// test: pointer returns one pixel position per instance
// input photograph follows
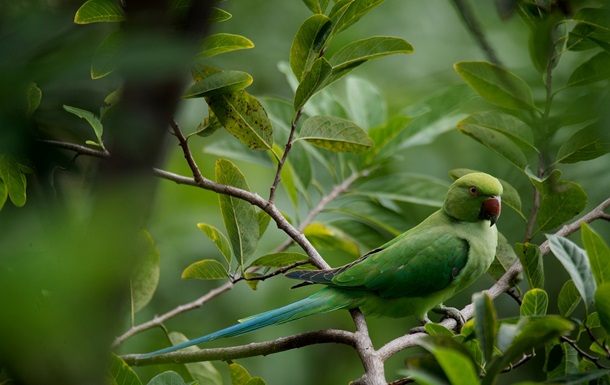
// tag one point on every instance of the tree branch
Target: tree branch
(249, 350)
(475, 29)
(186, 151)
(158, 320)
(79, 149)
(280, 165)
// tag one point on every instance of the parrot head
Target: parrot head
(474, 197)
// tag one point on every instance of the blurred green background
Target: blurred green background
(48, 45)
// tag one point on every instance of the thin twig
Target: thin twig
(280, 165)
(523, 360)
(250, 350)
(278, 271)
(475, 29)
(158, 320)
(79, 149)
(186, 151)
(582, 353)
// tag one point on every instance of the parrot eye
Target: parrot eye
(473, 191)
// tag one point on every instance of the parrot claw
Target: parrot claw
(451, 312)
(421, 329)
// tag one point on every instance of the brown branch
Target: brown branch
(280, 165)
(250, 350)
(158, 320)
(582, 353)
(278, 271)
(186, 151)
(79, 149)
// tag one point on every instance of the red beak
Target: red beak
(490, 209)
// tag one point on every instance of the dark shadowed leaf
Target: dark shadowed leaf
(485, 323)
(531, 260)
(104, 58)
(34, 95)
(602, 303)
(145, 276)
(593, 70)
(219, 83)
(588, 143)
(597, 252)
(505, 258)
(596, 17)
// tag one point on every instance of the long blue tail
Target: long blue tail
(323, 301)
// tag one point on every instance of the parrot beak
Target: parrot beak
(490, 209)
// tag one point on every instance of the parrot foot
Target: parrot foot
(421, 329)
(451, 312)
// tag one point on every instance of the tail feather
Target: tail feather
(321, 302)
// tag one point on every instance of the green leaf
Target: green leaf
(560, 200)
(562, 361)
(14, 182)
(458, 368)
(244, 117)
(513, 128)
(413, 188)
(223, 42)
(597, 252)
(596, 17)
(219, 83)
(95, 11)
(485, 323)
(263, 222)
(582, 377)
(167, 378)
(575, 261)
(145, 276)
(307, 43)
(505, 258)
(494, 140)
(202, 371)
(358, 52)
(535, 303)
(593, 70)
(366, 105)
(239, 216)
(93, 121)
(104, 57)
(331, 238)
(602, 303)
(311, 82)
(218, 238)
(346, 12)
(496, 85)
(239, 374)
(119, 373)
(219, 15)
(531, 259)
(588, 143)
(3, 193)
(34, 95)
(568, 298)
(279, 259)
(437, 329)
(335, 134)
(205, 269)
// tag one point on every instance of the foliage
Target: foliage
(333, 151)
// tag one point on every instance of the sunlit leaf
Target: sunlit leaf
(90, 117)
(218, 238)
(307, 43)
(14, 181)
(535, 303)
(219, 15)
(335, 134)
(219, 83)
(568, 298)
(331, 238)
(576, 263)
(531, 259)
(239, 216)
(119, 373)
(598, 253)
(240, 376)
(437, 329)
(205, 269)
(223, 42)
(497, 85)
(95, 11)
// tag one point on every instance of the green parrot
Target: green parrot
(408, 276)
